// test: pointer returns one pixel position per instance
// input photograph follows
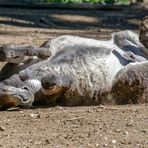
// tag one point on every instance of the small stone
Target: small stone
(135, 110)
(126, 133)
(97, 120)
(101, 106)
(113, 141)
(90, 111)
(118, 130)
(34, 115)
(21, 112)
(105, 138)
(138, 143)
(123, 142)
(97, 144)
(129, 124)
(30, 140)
(58, 107)
(37, 142)
(105, 145)
(2, 128)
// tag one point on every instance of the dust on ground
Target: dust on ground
(93, 126)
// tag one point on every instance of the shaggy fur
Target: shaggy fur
(91, 63)
(131, 84)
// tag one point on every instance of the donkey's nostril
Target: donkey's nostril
(24, 99)
(26, 88)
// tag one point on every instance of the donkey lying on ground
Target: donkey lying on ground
(81, 71)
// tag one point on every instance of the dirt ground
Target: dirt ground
(78, 127)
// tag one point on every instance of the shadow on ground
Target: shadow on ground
(71, 19)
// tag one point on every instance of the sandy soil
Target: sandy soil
(93, 126)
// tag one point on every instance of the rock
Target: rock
(35, 115)
(113, 141)
(2, 128)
